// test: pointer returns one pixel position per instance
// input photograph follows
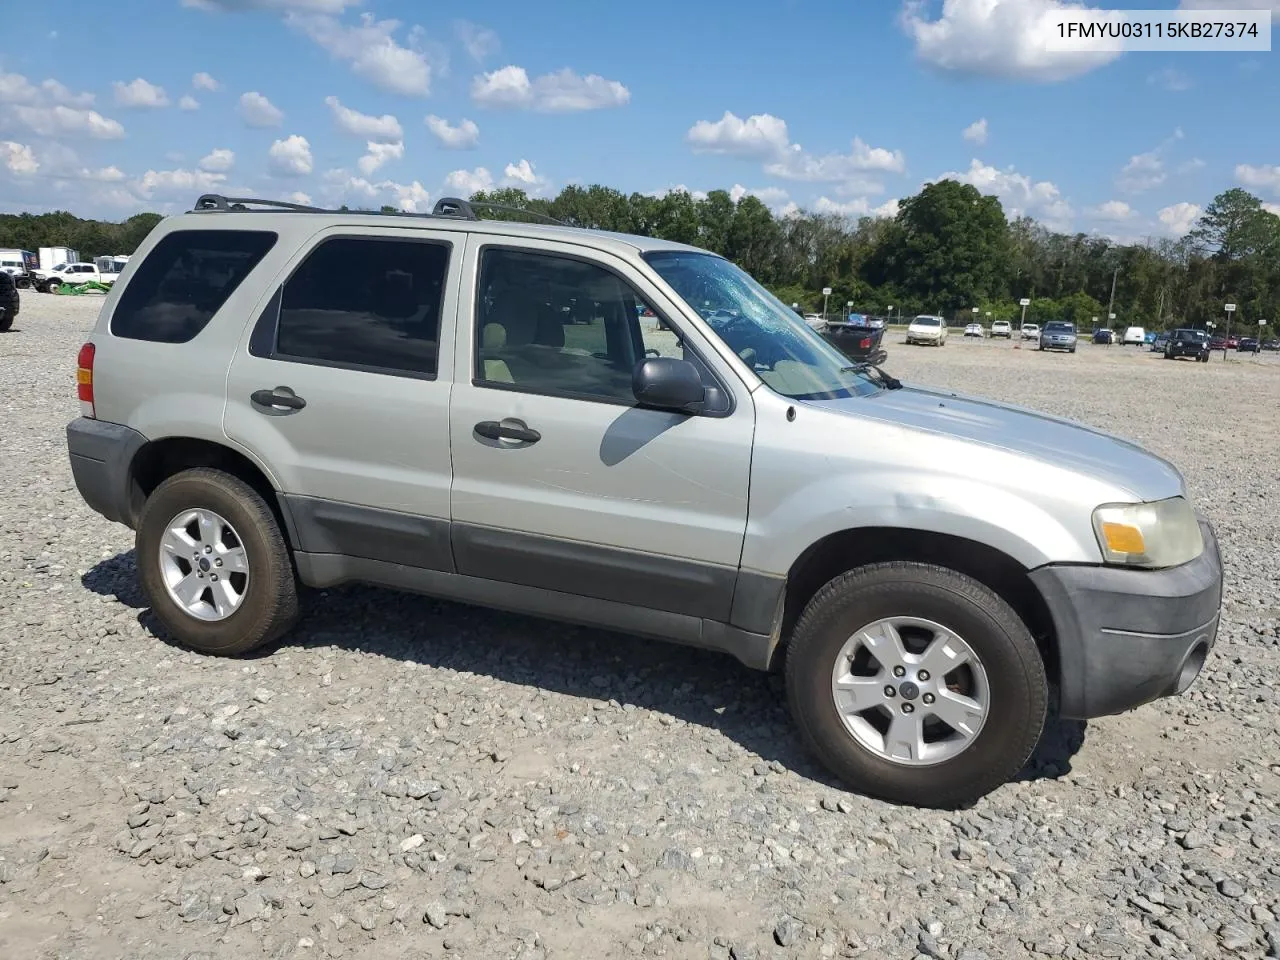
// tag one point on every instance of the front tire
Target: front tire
(214, 564)
(942, 738)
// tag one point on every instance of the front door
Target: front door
(560, 480)
(340, 388)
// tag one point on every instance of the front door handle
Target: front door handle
(510, 429)
(278, 400)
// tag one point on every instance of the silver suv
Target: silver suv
(634, 434)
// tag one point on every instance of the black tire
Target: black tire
(52, 286)
(270, 603)
(1014, 668)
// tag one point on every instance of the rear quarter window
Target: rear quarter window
(185, 280)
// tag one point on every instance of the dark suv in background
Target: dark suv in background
(1187, 343)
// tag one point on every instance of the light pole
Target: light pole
(848, 309)
(1230, 308)
(890, 322)
(975, 317)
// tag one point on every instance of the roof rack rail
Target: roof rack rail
(215, 201)
(509, 209)
(455, 208)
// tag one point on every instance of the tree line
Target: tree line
(948, 249)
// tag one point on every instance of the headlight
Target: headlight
(1165, 533)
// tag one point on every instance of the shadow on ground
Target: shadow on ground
(697, 686)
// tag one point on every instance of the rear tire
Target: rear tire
(267, 603)
(1012, 682)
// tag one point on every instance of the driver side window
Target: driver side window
(557, 325)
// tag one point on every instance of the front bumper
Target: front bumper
(1127, 637)
(1058, 343)
(101, 456)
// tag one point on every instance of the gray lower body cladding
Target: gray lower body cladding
(1127, 637)
(101, 454)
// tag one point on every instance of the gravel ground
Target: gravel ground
(410, 778)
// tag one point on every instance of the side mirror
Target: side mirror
(668, 383)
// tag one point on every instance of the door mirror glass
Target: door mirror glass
(668, 383)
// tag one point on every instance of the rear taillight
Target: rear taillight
(866, 343)
(84, 379)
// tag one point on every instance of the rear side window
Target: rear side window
(366, 304)
(183, 282)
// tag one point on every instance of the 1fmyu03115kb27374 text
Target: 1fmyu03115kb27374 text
(1099, 31)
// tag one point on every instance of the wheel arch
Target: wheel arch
(845, 550)
(157, 460)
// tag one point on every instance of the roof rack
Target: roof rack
(214, 201)
(449, 207)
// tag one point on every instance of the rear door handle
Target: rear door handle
(507, 430)
(278, 400)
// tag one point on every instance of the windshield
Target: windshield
(1059, 326)
(779, 346)
(926, 322)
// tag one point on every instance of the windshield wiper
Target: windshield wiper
(886, 380)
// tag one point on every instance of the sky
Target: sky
(841, 107)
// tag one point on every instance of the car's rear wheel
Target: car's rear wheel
(214, 564)
(916, 684)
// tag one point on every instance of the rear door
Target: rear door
(340, 389)
(601, 498)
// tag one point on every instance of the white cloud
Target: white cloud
(1191, 166)
(383, 129)
(1173, 80)
(479, 42)
(1113, 211)
(1265, 177)
(1001, 38)
(139, 93)
(467, 182)
(1019, 194)
(372, 51)
(761, 135)
(202, 81)
(257, 111)
(188, 102)
(858, 207)
(15, 88)
(18, 158)
(60, 121)
(379, 154)
(111, 174)
(561, 92)
(307, 6)
(1272, 5)
(461, 137)
(290, 157)
(1272, 208)
(299, 197)
(796, 164)
(411, 198)
(976, 132)
(521, 173)
(177, 182)
(1179, 218)
(764, 137)
(1142, 172)
(218, 161)
(769, 196)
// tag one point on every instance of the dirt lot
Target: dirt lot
(410, 778)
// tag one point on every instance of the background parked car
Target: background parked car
(1104, 336)
(1135, 336)
(1002, 328)
(1233, 342)
(1030, 331)
(1187, 343)
(1158, 341)
(1247, 345)
(927, 328)
(974, 330)
(1058, 335)
(1271, 344)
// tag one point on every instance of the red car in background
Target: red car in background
(1233, 342)
(1218, 343)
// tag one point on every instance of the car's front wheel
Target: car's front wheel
(916, 684)
(214, 563)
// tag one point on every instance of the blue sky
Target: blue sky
(844, 107)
